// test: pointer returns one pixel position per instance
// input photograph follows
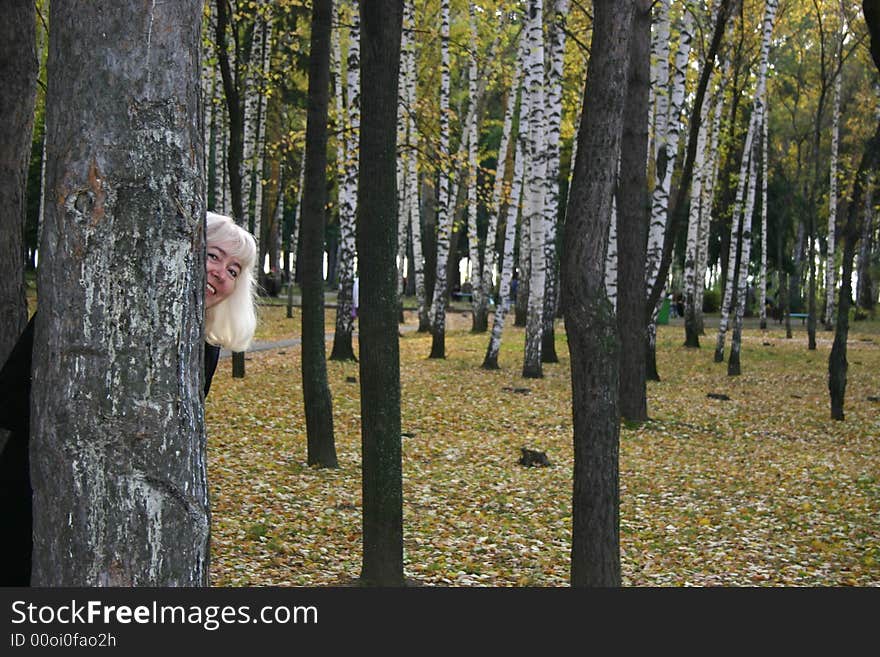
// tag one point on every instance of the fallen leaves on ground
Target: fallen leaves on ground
(760, 489)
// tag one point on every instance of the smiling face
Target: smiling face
(222, 272)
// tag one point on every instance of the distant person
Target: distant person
(355, 297)
(514, 284)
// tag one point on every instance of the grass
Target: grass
(763, 489)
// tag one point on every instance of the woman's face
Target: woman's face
(222, 272)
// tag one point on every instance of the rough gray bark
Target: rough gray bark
(18, 79)
(377, 245)
(589, 318)
(633, 206)
(316, 390)
(118, 434)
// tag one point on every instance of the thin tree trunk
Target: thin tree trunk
(490, 362)
(831, 261)
(756, 129)
(444, 211)
(534, 203)
(342, 338)
(316, 391)
(556, 37)
(589, 319)
(765, 171)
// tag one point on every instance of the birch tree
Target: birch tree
(534, 209)
(444, 212)
(502, 199)
(743, 214)
(342, 338)
(667, 136)
(831, 259)
(765, 171)
(408, 61)
(478, 304)
(692, 248)
(556, 55)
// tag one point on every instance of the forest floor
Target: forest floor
(759, 489)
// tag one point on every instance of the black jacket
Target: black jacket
(16, 515)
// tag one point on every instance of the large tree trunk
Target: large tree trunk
(377, 244)
(18, 79)
(589, 318)
(632, 218)
(118, 434)
(316, 391)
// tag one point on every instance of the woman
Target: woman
(230, 288)
(230, 321)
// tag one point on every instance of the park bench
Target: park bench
(802, 316)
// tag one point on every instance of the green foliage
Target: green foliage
(712, 300)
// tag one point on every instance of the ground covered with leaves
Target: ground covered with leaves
(762, 488)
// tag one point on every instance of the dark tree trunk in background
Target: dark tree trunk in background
(633, 215)
(235, 151)
(381, 23)
(118, 434)
(837, 364)
(18, 79)
(316, 390)
(589, 317)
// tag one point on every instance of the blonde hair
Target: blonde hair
(232, 322)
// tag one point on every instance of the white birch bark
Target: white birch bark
(743, 214)
(260, 154)
(831, 260)
(348, 189)
(611, 257)
(535, 191)
(444, 215)
(499, 195)
(507, 265)
(708, 195)
(695, 215)
(473, 238)
(666, 145)
(251, 120)
(765, 170)
(556, 55)
(408, 62)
